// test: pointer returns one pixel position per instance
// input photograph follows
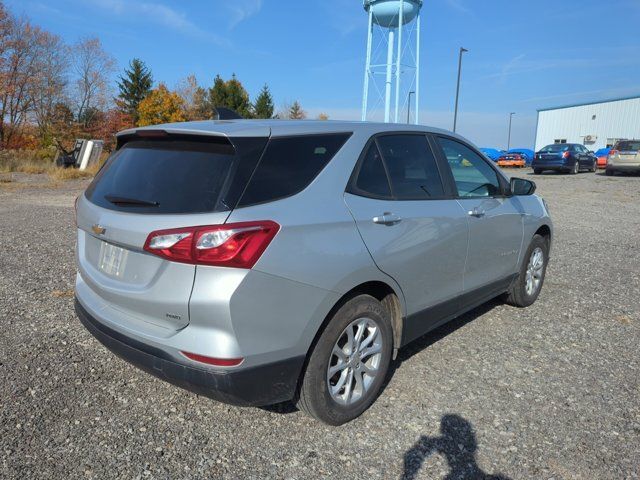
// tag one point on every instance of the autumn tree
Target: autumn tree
(323, 116)
(296, 112)
(92, 67)
(263, 106)
(134, 86)
(19, 67)
(161, 106)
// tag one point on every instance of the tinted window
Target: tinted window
(555, 148)
(372, 177)
(472, 174)
(412, 167)
(628, 146)
(169, 176)
(289, 165)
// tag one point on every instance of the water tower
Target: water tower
(394, 24)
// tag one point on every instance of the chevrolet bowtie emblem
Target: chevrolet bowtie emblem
(98, 229)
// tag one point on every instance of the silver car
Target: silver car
(257, 262)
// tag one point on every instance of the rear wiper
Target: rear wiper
(116, 200)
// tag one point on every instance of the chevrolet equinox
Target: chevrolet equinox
(256, 262)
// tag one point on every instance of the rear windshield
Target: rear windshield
(628, 146)
(176, 176)
(555, 148)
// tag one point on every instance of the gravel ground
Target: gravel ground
(551, 391)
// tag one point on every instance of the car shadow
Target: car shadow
(457, 444)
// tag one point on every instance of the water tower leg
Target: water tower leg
(387, 96)
(418, 69)
(367, 69)
(399, 59)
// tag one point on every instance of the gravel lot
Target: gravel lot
(552, 391)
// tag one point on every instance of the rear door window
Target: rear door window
(176, 176)
(412, 167)
(289, 165)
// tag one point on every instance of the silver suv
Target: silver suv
(257, 262)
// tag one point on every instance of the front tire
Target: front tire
(595, 166)
(527, 286)
(537, 171)
(349, 363)
(609, 172)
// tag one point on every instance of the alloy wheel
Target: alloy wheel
(354, 363)
(535, 269)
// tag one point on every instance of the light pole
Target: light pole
(455, 113)
(509, 138)
(409, 106)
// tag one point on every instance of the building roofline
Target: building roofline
(589, 103)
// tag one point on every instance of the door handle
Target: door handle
(387, 218)
(477, 212)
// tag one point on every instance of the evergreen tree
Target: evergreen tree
(238, 98)
(296, 112)
(134, 87)
(218, 93)
(230, 94)
(263, 106)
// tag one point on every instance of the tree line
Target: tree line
(52, 93)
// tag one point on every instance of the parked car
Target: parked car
(564, 157)
(624, 157)
(526, 153)
(602, 155)
(259, 262)
(492, 153)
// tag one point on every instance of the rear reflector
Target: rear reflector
(238, 245)
(613, 152)
(218, 362)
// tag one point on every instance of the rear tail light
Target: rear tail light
(237, 245)
(218, 362)
(613, 152)
(566, 155)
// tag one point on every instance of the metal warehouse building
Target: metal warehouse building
(595, 125)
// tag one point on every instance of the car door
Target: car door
(495, 219)
(414, 229)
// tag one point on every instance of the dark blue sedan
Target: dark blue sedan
(564, 157)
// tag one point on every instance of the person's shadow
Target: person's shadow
(457, 444)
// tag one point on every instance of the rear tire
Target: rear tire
(537, 171)
(527, 286)
(345, 374)
(576, 168)
(609, 172)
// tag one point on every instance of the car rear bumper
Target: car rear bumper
(624, 167)
(254, 386)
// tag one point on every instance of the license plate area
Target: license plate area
(112, 260)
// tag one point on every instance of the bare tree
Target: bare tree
(48, 87)
(92, 68)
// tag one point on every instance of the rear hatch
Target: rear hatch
(627, 151)
(156, 183)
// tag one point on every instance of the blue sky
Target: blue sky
(524, 55)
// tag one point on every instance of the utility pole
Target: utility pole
(409, 107)
(509, 138)
(455, 113)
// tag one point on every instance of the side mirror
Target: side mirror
(591, 152)
(520, 186)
